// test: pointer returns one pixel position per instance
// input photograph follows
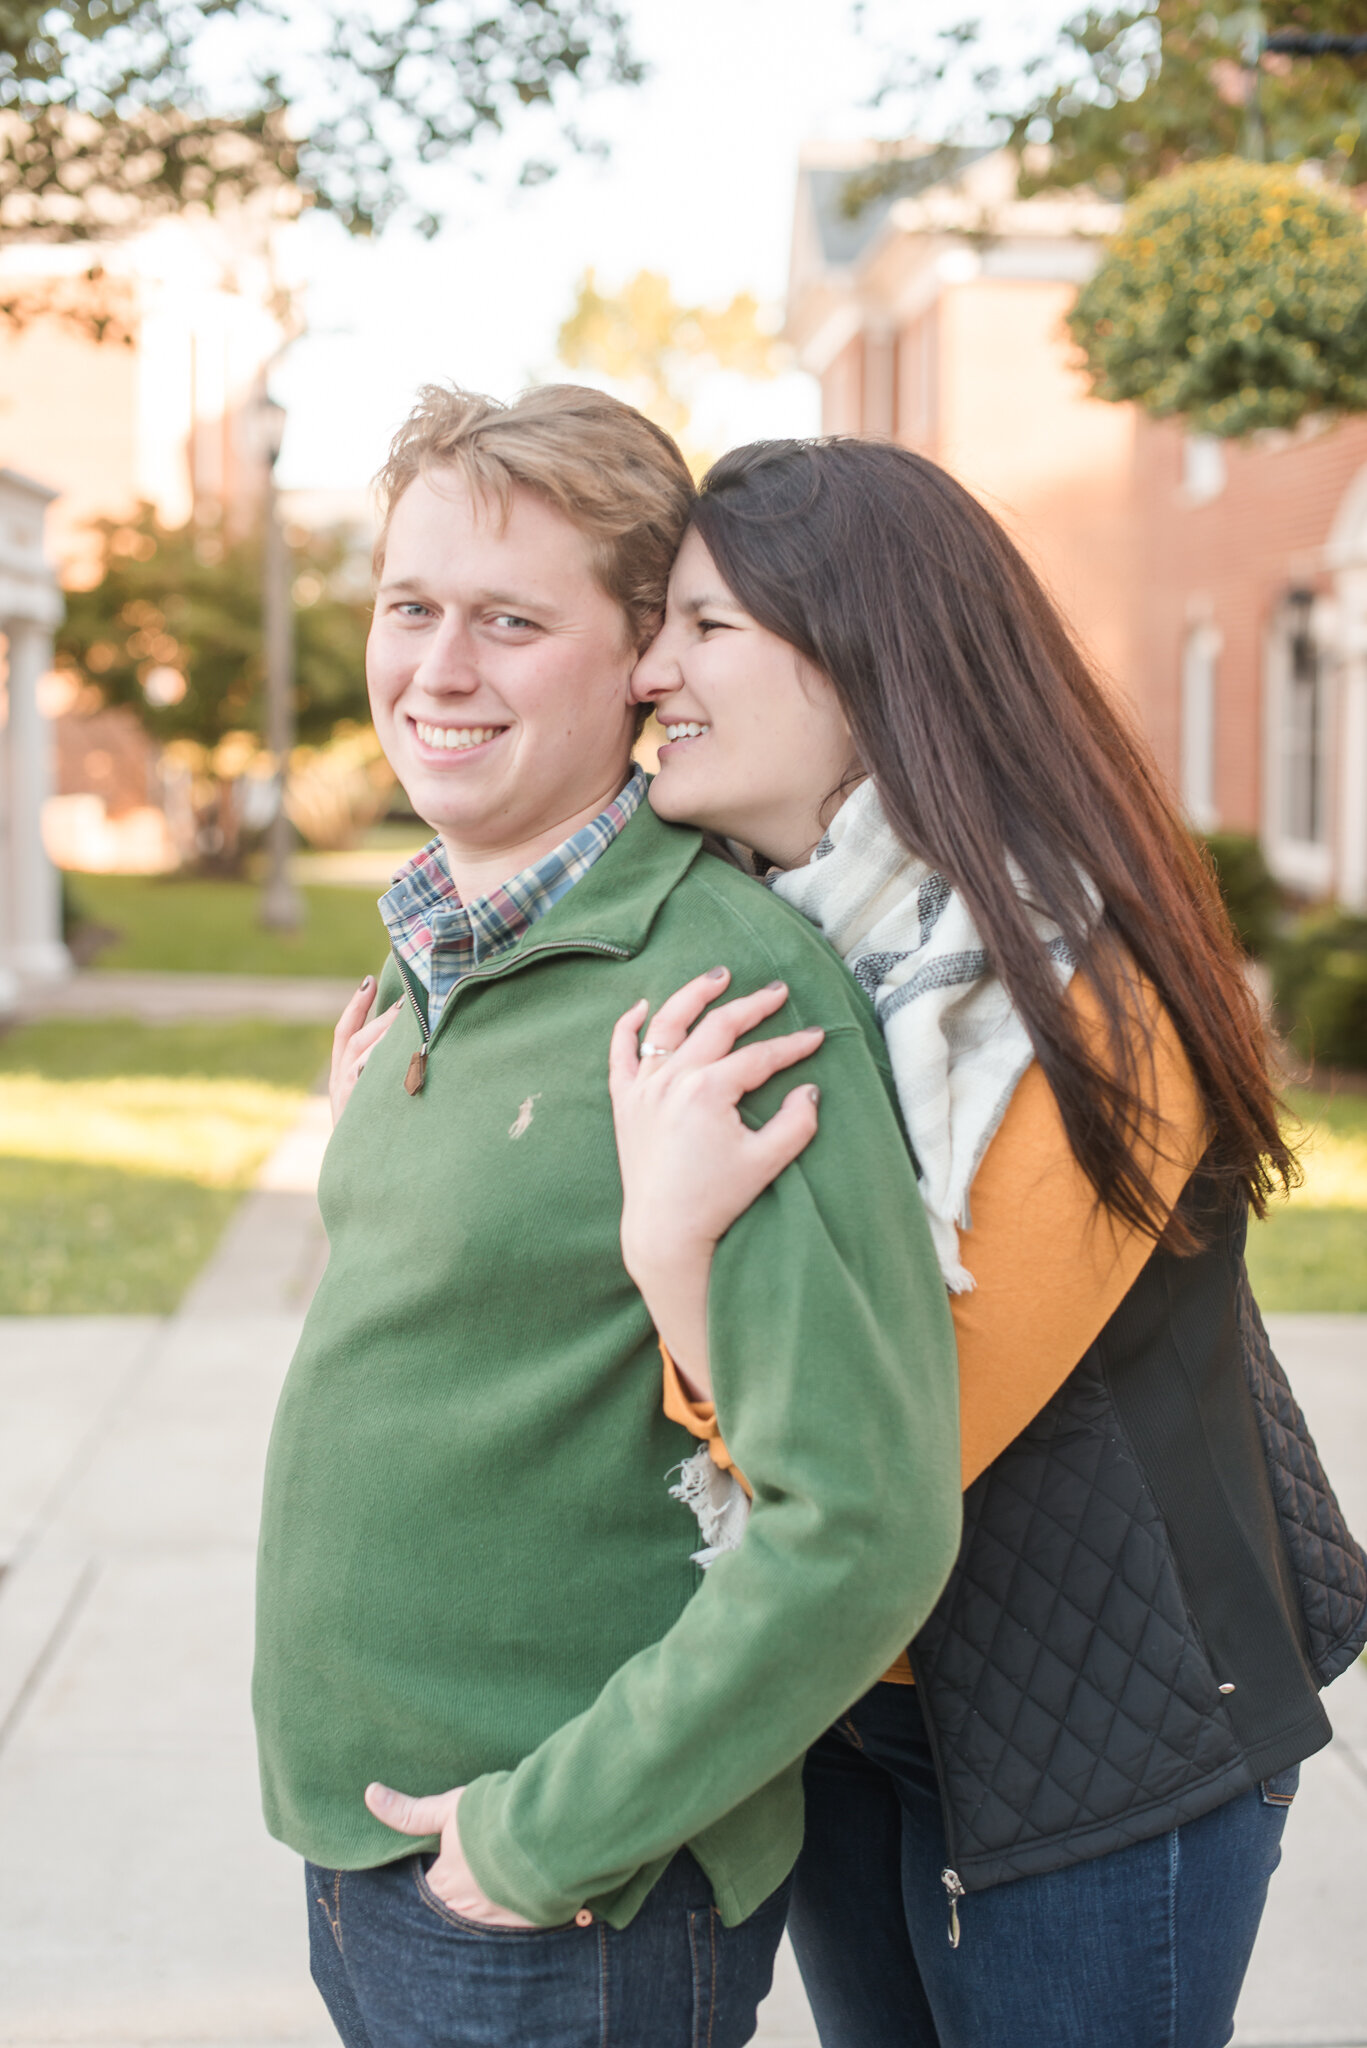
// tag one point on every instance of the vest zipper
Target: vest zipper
(954, 1885)
(417, 1067)
(949, 1877)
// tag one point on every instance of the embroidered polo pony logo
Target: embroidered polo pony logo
(522, 1122)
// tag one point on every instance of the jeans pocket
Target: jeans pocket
(326, 1887)
(1281, 1790)
(439, 1906)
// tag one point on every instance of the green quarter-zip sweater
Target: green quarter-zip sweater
(471, 1570)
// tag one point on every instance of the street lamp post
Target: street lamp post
(1283, 42)
(282, 907)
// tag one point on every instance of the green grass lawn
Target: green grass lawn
(124, 1149)
(192, 926)
(1311, 1253)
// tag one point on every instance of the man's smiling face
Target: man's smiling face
(499, 671)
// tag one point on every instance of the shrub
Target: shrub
(1234, 294)
(1320, 980)
(335, 791)
(1252, 897)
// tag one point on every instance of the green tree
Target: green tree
(106, 121)
(172, 629)
(657, 350)
(1123, 95)
(1234, 295)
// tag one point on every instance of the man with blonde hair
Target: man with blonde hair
(546, 1776)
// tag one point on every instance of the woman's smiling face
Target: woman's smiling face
(757, 741)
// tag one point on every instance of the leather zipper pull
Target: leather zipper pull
(417, 1071)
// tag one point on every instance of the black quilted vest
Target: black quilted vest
(1154, 1583)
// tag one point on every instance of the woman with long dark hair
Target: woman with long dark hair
(1056, 1820)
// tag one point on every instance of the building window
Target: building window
(1200, 659)
(1203, 467)
(1303, 726)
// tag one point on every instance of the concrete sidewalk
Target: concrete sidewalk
(181, 998)
(141, 1903)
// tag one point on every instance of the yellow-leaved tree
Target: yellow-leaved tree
(657, 352)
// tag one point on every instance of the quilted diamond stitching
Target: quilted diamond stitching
(1064, 1674)
(1329, 1565)
(1062, 1530)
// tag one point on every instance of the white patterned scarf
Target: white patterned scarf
(957, 1045)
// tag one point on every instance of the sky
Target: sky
(699, 185)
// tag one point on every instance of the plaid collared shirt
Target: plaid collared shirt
(441, 938)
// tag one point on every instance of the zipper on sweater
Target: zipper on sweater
(949, 1877)
(417, 1067)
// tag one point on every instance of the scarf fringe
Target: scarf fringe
(718, 1502)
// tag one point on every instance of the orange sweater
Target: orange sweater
(1050, 1267)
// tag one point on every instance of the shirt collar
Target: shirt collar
(429, 926)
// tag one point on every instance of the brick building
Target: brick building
(130, 374)
(133, 372)
(1223, 588)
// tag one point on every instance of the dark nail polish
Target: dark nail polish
(815, 1094)
(368, 981)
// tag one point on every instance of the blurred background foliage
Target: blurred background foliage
(1148, 89)
(1234, 295)
(172, 629)
(1249, 889)
(1123, 95)
(1315, 959)
(655, 351)
(1320, 979)
(112, 115)
(171, 633)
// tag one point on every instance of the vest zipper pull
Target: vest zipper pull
(417, 1071)
(953, 1884)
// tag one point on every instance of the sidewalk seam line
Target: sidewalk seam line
(42, 1663)
(51, 1506)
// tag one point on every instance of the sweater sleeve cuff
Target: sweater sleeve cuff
(500, 1869)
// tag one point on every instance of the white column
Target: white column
(1352, 806)
(36, 948)
(9, 980)
(30, 609)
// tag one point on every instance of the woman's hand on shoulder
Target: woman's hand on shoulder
(690, 1164)
(354, 1040)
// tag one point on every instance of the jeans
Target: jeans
(398, 1969)
(1143, 1948)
